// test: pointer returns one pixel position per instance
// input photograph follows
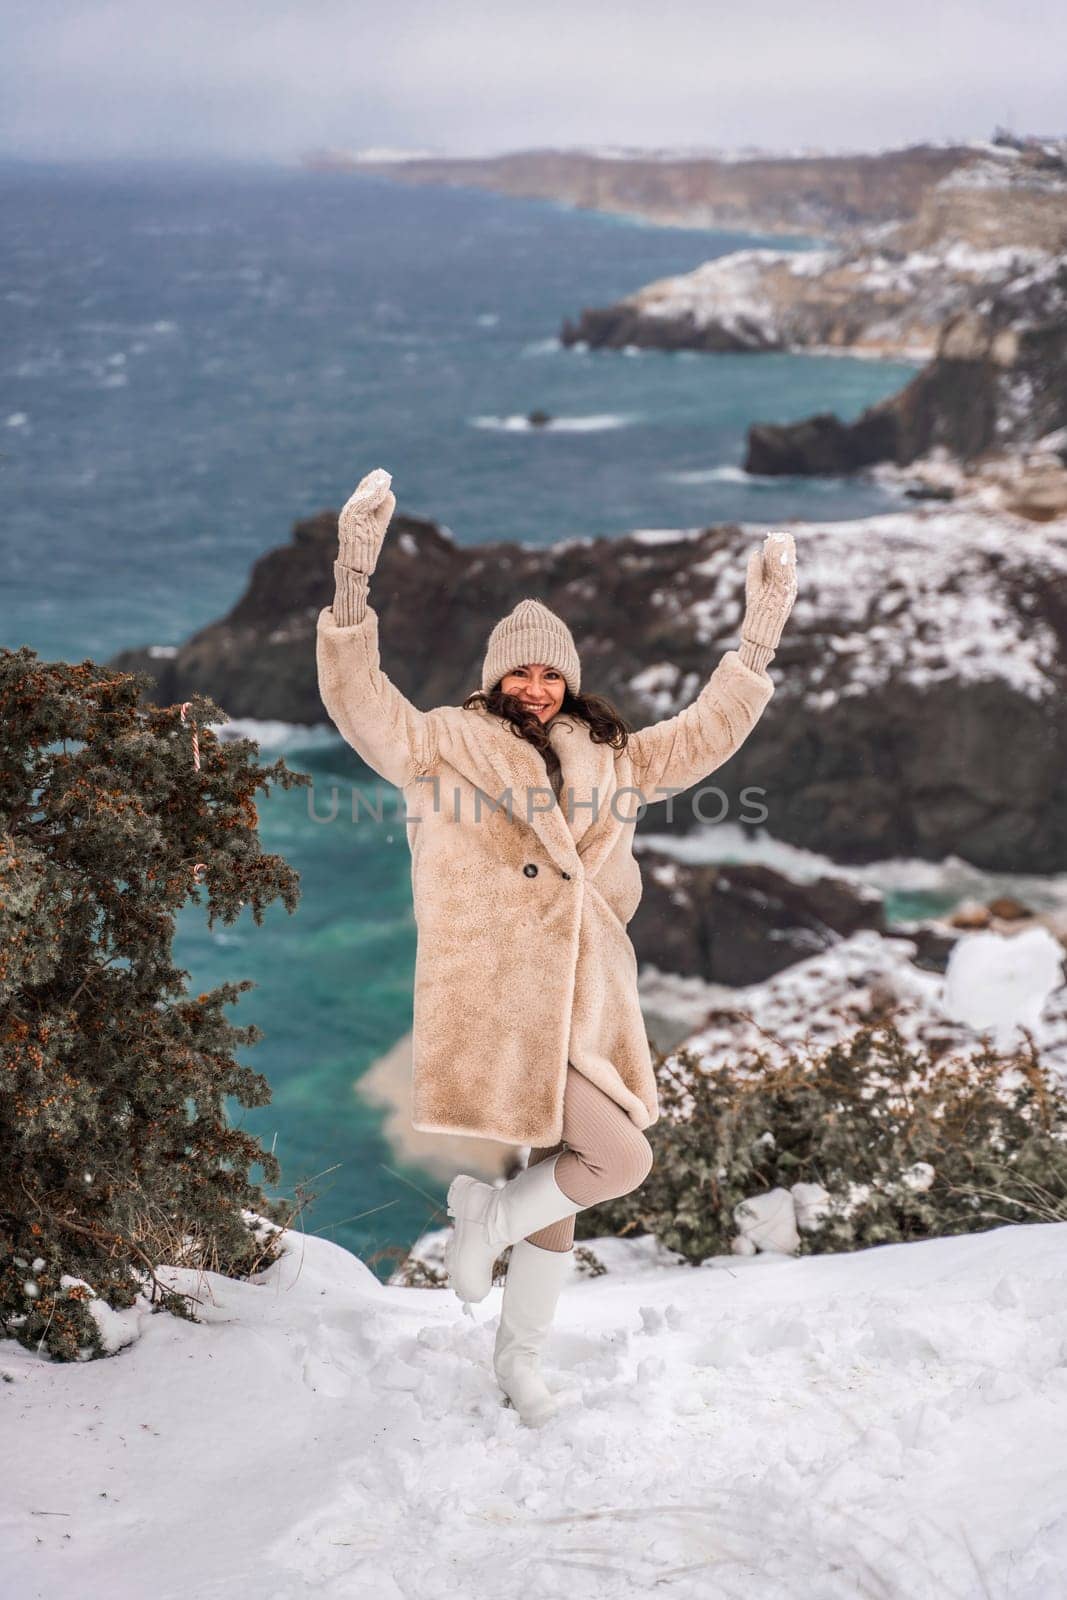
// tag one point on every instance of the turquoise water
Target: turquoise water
(192, 360)
(334, 991)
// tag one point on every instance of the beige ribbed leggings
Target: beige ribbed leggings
(605, 1155)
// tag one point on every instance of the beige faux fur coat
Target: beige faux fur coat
(521, 903)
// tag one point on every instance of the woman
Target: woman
(521, 805)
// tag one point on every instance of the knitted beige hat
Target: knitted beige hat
(526, 635)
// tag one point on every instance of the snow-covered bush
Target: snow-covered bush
(906, 1145)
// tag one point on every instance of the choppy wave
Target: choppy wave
(726, 474)
(273, 735)
(596, 423)
(820, 484)
(542, 347)
(554, 347)
(163, 325)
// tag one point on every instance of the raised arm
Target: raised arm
(678, 752)
(366, 707)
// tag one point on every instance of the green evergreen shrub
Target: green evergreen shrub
(116, 1153)
(867, 1119)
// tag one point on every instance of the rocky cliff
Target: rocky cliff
(919, 685)
(998, 382)
(885, 291)
(787, 194)
(974, 283)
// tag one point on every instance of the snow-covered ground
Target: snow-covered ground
(891, 1423)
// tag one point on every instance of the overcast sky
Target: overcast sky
(251, 78)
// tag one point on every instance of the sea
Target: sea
(194, 357)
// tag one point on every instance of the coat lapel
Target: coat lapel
(589, 786)
(503, 761)
(496, 760)
(517, 767)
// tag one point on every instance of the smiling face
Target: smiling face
(540, 688)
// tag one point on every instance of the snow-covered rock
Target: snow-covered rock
(996, 383)
(767, 299)
(916, 684)
(829, 996)
(769, 1221)
(811, 1203)
(997, 983)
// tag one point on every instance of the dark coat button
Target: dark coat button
(530, 869)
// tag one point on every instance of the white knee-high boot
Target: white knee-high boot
(488, 1218)
(531, 1292)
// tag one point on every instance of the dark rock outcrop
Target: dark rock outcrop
(998, 381)
(898, 725)
(822, 443)
(259, 660)
(627, 326)
(741, 923)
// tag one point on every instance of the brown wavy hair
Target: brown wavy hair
(606, 724)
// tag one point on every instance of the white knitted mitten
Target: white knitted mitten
(361, 528)
(770, 590)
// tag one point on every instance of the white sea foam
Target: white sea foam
(953, 877)
(596, 423)
(724, 474)
(276, 735)
(542, 347)
(96, 325)
(822, 484)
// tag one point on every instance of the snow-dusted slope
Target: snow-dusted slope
(890, 1423)
(941, 593)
